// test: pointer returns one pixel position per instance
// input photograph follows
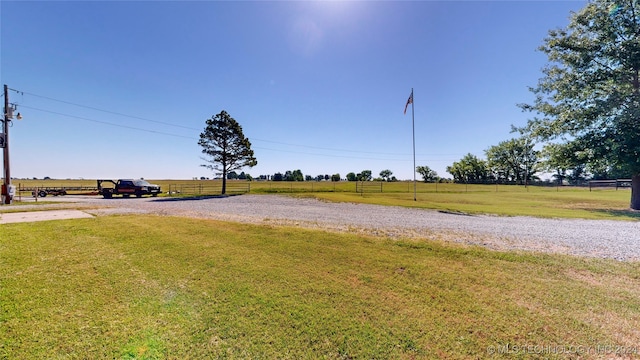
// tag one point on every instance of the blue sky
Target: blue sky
(123, 89)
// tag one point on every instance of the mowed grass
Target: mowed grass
(511, 201)
(504, 200)
(147, 287)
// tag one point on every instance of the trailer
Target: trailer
(48, 191)
(44, 191)
(127, 187)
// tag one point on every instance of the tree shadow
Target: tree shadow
(622, 214)
(193, 198)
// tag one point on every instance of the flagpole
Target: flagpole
(413, 125)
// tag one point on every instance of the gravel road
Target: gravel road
(595, 238)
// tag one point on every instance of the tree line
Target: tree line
(514, 161)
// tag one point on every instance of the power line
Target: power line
(345, 150)
(329, 155)
(194, 138)
(106, 122)
(109, 111)
(191, 128)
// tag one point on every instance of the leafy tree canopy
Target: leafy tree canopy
(386, 175)
(513, 160)
(427, 174)
(589, 95)
(365, 175)
(470, 169)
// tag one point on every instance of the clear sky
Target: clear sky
(113, 89)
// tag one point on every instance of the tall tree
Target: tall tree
(386, 175)
(365, 175)
(469, 169)
(590, 90)
(288, 175)
(557, 159)
(297, 175)
(513, 160)
(224, 142)
(428, 175)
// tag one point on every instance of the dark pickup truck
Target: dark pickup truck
(127, 187)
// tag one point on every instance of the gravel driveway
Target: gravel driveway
(596, 238)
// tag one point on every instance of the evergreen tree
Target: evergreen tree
(226, 147)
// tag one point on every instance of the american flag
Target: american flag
(409, 101)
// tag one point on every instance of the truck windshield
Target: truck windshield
(140, 183)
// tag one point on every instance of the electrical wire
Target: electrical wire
(194, 138)
(110, 112)
(107, 123)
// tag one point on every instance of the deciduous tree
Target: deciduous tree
(589, 94)
(365, 175)
(427, 174)
(513, 160)
(470, 169)
(386, 175)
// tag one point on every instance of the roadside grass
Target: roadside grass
(148, 287)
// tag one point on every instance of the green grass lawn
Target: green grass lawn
(538, 202)
(147, 287)
(504, 200)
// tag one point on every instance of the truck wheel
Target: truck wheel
(107, 194)
(42, 193)
(138, 194)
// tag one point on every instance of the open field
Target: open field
(506, 200)
(149, 287)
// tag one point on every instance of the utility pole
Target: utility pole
(7, 169)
